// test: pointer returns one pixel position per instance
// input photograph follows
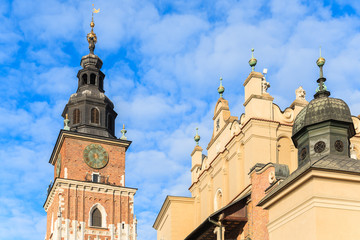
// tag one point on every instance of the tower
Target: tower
(89, 199)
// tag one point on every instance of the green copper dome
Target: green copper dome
(323, 109)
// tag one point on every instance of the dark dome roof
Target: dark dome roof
(323, 109)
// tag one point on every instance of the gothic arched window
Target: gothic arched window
(92, 78)
(76, 116)
(94, 115)
(96, 218)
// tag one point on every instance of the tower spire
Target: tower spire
(91, 36)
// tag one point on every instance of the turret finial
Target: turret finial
(321, 90)
(197, 137)
(91, 36)
(66, 122)
(252, 61)
(123, 132)
(320, 62)
(221, 89)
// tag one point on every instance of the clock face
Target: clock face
(95, 156)
(58, 165)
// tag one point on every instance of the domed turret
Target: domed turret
(324, 126)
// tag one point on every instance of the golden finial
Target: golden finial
(66, 116)
(91, 37)
(320, 62)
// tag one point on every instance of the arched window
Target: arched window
(218, 200)
(96, 218)
(92, 78)
(94, 115)
(84, 78)
(76, 116)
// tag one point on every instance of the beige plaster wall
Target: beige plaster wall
(177, 218)
(320, 205)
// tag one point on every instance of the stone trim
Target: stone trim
(251, 75)
(61, 183)
(263, 96)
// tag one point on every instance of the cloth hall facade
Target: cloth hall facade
(271, 173)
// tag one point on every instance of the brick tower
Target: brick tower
(88, 199)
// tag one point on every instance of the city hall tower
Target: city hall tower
(88, 198)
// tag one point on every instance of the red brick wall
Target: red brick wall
(258, 218)
(72, 152)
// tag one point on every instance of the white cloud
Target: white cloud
(163, 60)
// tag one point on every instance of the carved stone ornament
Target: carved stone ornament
(339, 146)
(272, 177)
(300, 93)
(319, 147)
(265, 85)
(95, 156)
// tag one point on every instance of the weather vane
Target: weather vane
(91, 36)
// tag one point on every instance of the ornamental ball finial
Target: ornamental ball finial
(252, 61)
(221, 89)
(197, 137)
(321, 61)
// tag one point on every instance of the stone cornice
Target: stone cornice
(87, 186)
(166, 206)
(252, 75)
(301, 179)
(262, 96)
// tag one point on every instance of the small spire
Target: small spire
(252, 61)
(123, 131)
(197, 137)
(91, 36)
(321, 90)
(66, 122)
(221, 89)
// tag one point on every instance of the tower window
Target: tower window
(92, 78)
(96, 218)
(101, 82)
(84, 78)
(94, 115)
(76, 116)
(110, 123)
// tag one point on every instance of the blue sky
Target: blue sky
(162, 61)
